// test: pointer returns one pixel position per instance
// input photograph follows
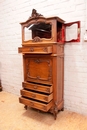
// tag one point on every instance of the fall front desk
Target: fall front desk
(42, 48)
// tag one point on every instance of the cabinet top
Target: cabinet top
(36, 16)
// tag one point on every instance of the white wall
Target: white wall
(12, 12)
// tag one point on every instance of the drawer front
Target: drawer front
(40, 97)
(39, 70)
(35, 50)
(35, 104)
(39, 88)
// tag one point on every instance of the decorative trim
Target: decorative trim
(34, 14)
(37, 39)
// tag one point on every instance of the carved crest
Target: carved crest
(35, 14)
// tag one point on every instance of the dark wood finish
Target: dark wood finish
(43, 63)
(0, 86)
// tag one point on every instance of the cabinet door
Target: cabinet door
(72, 32)
(38, 69)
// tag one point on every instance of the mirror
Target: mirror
(42, 30)
(27, 34)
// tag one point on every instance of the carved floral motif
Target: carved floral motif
(35, 14)
(37, 39)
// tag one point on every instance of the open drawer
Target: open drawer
(39, 88)
(34, 104)
(35, 50)
(37, 96)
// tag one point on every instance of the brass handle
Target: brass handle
(33, 95)
(48, 90)
(45, 49)
(44, 108)
(35, 87)
(46, 98)
(31, 104)
(31, 49)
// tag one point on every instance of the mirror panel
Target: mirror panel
(42, 30)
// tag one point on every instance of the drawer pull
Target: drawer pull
(31, 104)
(33, 95)
(31, 49)
(48, 90)
(45, 49)
(45, 98)
(44, 108)
(35, 87)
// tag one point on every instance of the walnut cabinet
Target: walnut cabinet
(43, 42)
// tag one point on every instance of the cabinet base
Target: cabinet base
(53, 111)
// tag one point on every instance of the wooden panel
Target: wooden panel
(35, 50)
(36, 87)
(33, 95)
(39, 69)
(41, 106)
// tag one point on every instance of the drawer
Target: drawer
(38, 105)
(37, 96)
(39, 88)
(35, 50)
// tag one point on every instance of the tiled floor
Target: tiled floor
(13, 116)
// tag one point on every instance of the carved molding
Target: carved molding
(37, 39)
(34, 14)
(54, 109)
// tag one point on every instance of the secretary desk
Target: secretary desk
(42, 49)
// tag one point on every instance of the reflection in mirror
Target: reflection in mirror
(42, 30)
(27, 34)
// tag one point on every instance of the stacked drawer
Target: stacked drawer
(35, 50)
(37, 96)
(35, 93)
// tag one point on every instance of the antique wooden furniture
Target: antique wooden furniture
(43, 62)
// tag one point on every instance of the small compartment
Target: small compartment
(38, 105)
(69, 32)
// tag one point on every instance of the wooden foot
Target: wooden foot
(25, 107)
(62, 109)
(55, 115)
(0, 89)
(55, 111)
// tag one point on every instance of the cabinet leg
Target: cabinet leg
(62, 109)
(55, 115)
(55, 111)
(25, 107)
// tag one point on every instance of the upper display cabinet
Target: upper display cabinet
(49, 30)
